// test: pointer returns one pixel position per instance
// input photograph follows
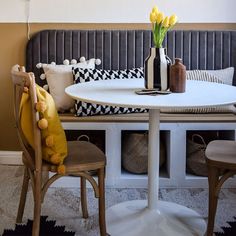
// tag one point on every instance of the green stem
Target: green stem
(159, 34)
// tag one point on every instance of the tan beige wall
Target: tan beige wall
(13, 39)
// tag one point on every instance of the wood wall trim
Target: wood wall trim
(184, 26)
(11, 158)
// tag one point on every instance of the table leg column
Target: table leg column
(153, 217)
(153, 158)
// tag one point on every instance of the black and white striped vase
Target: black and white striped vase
(157, 69)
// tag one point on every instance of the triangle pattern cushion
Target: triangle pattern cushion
(86, 75)
(54, 144)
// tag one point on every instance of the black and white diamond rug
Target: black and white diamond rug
(47, 228)
(228, 231)
(62, 205)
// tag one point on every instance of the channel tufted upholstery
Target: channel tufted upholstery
(121, 49)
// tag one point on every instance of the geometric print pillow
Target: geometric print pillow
(90, 109)
(86, 75)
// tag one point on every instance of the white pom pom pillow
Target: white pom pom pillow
(60, 76)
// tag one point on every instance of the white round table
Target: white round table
(153, 217)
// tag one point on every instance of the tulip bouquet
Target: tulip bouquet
(160, 25)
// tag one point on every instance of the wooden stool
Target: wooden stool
(220, 156)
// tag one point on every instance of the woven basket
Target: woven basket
(135, 153)
(196, 159)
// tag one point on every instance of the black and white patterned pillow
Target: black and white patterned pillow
(86, 75)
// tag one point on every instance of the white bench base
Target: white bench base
(175, 129)
(175, 136)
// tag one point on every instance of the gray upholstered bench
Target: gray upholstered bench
(203, 50)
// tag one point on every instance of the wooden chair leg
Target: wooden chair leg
(102, 218)
(83, 196)
(37, 204)
(24, 190)
(213, 177)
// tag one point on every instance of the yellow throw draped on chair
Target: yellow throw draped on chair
(54, 145)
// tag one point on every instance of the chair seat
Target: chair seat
(223, 152)
(82, 156)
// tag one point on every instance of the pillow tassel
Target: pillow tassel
(55, 159)
(61, 169)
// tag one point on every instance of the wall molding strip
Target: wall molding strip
(11, 158)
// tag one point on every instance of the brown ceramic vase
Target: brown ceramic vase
(177, 77)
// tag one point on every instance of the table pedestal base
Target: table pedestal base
(133, 218)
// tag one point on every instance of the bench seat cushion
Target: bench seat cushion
(143, 117)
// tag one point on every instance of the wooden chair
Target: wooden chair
(82, 157)
(221, 162)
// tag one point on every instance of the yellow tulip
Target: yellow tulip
(166, 22)
(160, 17)
(153, 17)
(155, 10)
(173, 20)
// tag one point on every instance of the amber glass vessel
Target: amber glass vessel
(178, 76)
